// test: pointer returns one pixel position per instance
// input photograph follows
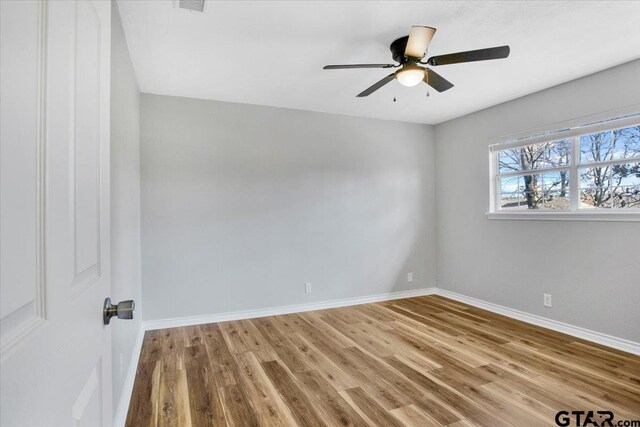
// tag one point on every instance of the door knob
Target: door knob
(123, 310)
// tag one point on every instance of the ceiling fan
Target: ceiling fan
(409, 51)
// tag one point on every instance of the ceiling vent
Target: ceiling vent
(195, 5)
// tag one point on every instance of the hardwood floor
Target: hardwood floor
(419, 361)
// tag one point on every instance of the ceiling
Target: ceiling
(272, 52)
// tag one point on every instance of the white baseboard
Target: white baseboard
(127, 388)
(298, 308)
(575, 331)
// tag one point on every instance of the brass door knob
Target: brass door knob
(123, 310)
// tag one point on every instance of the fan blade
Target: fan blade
(470, 56)
(376, 86)
(436, 81)
(342, 67)
(419, 39)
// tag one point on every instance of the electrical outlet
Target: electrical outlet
(409, 277)
(307, 288)
(547, 300)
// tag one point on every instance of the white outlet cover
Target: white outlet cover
(307, 287)
(409, 277)
(547, 300)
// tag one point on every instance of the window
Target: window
(593, 168)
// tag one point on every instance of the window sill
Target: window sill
(566, 216)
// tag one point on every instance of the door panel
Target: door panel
(56, 358)
(86, 147)
(21, 219)
(87, 410)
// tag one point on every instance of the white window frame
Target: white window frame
(572, 131)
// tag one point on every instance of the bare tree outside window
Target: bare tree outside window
(613, 185)
(539, 189)
(606, 165)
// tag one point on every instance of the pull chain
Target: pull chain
(427, 82)
(427, 75)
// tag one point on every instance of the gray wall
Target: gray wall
(592, 269)
(242, 205)
(125, 200)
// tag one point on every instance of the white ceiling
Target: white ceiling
(272, 53)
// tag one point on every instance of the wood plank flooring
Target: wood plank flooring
(422, 361)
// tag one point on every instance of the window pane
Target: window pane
(611, 186)
(532, 191)
(595, 198)
(626, 143)
(557, 200)
(626, 174)
(597, 177)
(549, 190)
(594, 187)
(597, 147)
(626, 197)
(553, 154)
(511, 201)
(510, 184)
(536, 156)
(555, 180)
(509, 160)
(555, 186)
(626, 185)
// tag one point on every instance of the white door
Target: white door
(56, 359)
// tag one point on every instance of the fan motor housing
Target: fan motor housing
(397, 49)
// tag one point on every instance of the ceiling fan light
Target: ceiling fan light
(410, 76)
